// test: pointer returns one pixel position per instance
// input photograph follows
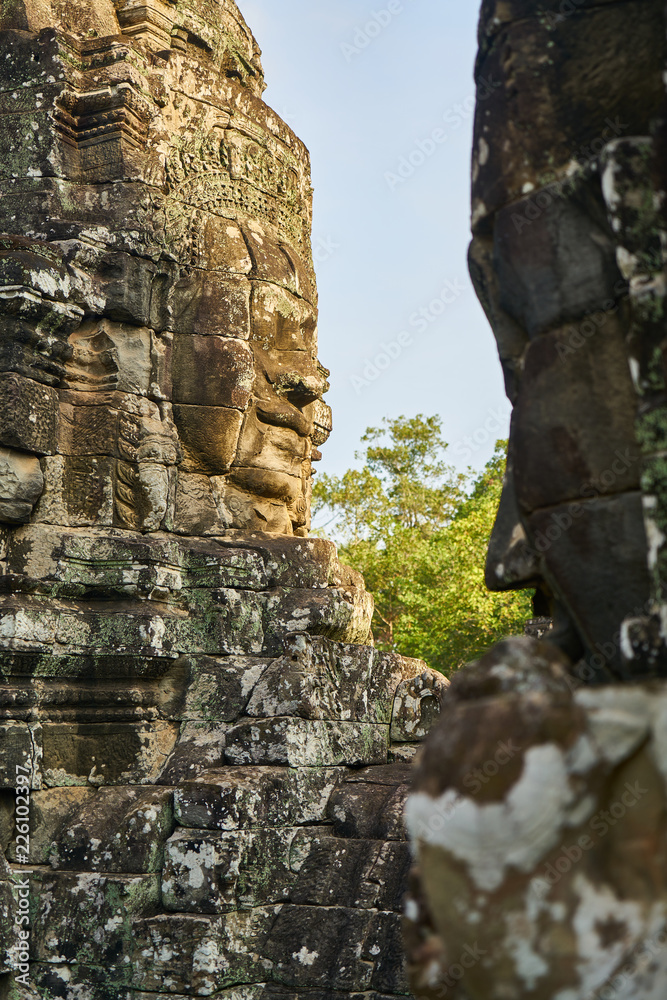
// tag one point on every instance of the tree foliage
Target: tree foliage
(418, 531)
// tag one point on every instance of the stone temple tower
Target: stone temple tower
(202, 760)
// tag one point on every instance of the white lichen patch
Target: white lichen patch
(619, 720)
(520, 944)
(305, 957)
(206, 957)
(655, 539)
(491, 838)
(583, 756)
(598, 907)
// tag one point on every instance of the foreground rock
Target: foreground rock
(538, 814)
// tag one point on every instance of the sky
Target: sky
(382, 94)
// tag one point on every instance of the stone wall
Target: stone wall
(203, 761)
(217, 772)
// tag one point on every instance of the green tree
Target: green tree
(418, 532)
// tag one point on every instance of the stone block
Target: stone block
(100, 565)
(106, 753)
(87, 919)
(218, 689)
(333, 948)
(209, 304)
(87, 430)
(559, 267)
(417, 706)
(366, 874)
(103, 565)
(201, 955)
(319, 679)
(196, 512)
(78, 491)
(511, 339)
(206, 872)
(232, 624)
(50, 811)
(612, 528)
(511, 561)
(20, 68)
(343, 615)
(282, 323)
(224, 308)
(27, 414)
(224, 565)
(52, 981)
(573, 429)
(369, 804)
(21, 485)
(117, 830)
(200, 746)
(222, 247)
(26, 351)
(243, 797)
(209, 436)
(525, 130)
(278, 265)
(385, 946)
(125, 284)
(27, 630)
(273, 443)
(138, 631)
(9, 931)
(146, 430)
(248, 513)
(212, 371)
(298, 562)
(302, 743)
(20, 748)
(32, 133)
(110, 356)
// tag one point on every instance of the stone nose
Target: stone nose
(301, 389)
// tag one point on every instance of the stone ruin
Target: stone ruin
(203, 761)
(540, 808)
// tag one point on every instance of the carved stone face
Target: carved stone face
(159, 303)
(567, 263)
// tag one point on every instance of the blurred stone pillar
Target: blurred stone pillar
(539, 812)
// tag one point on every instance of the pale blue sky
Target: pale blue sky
(363, 92)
